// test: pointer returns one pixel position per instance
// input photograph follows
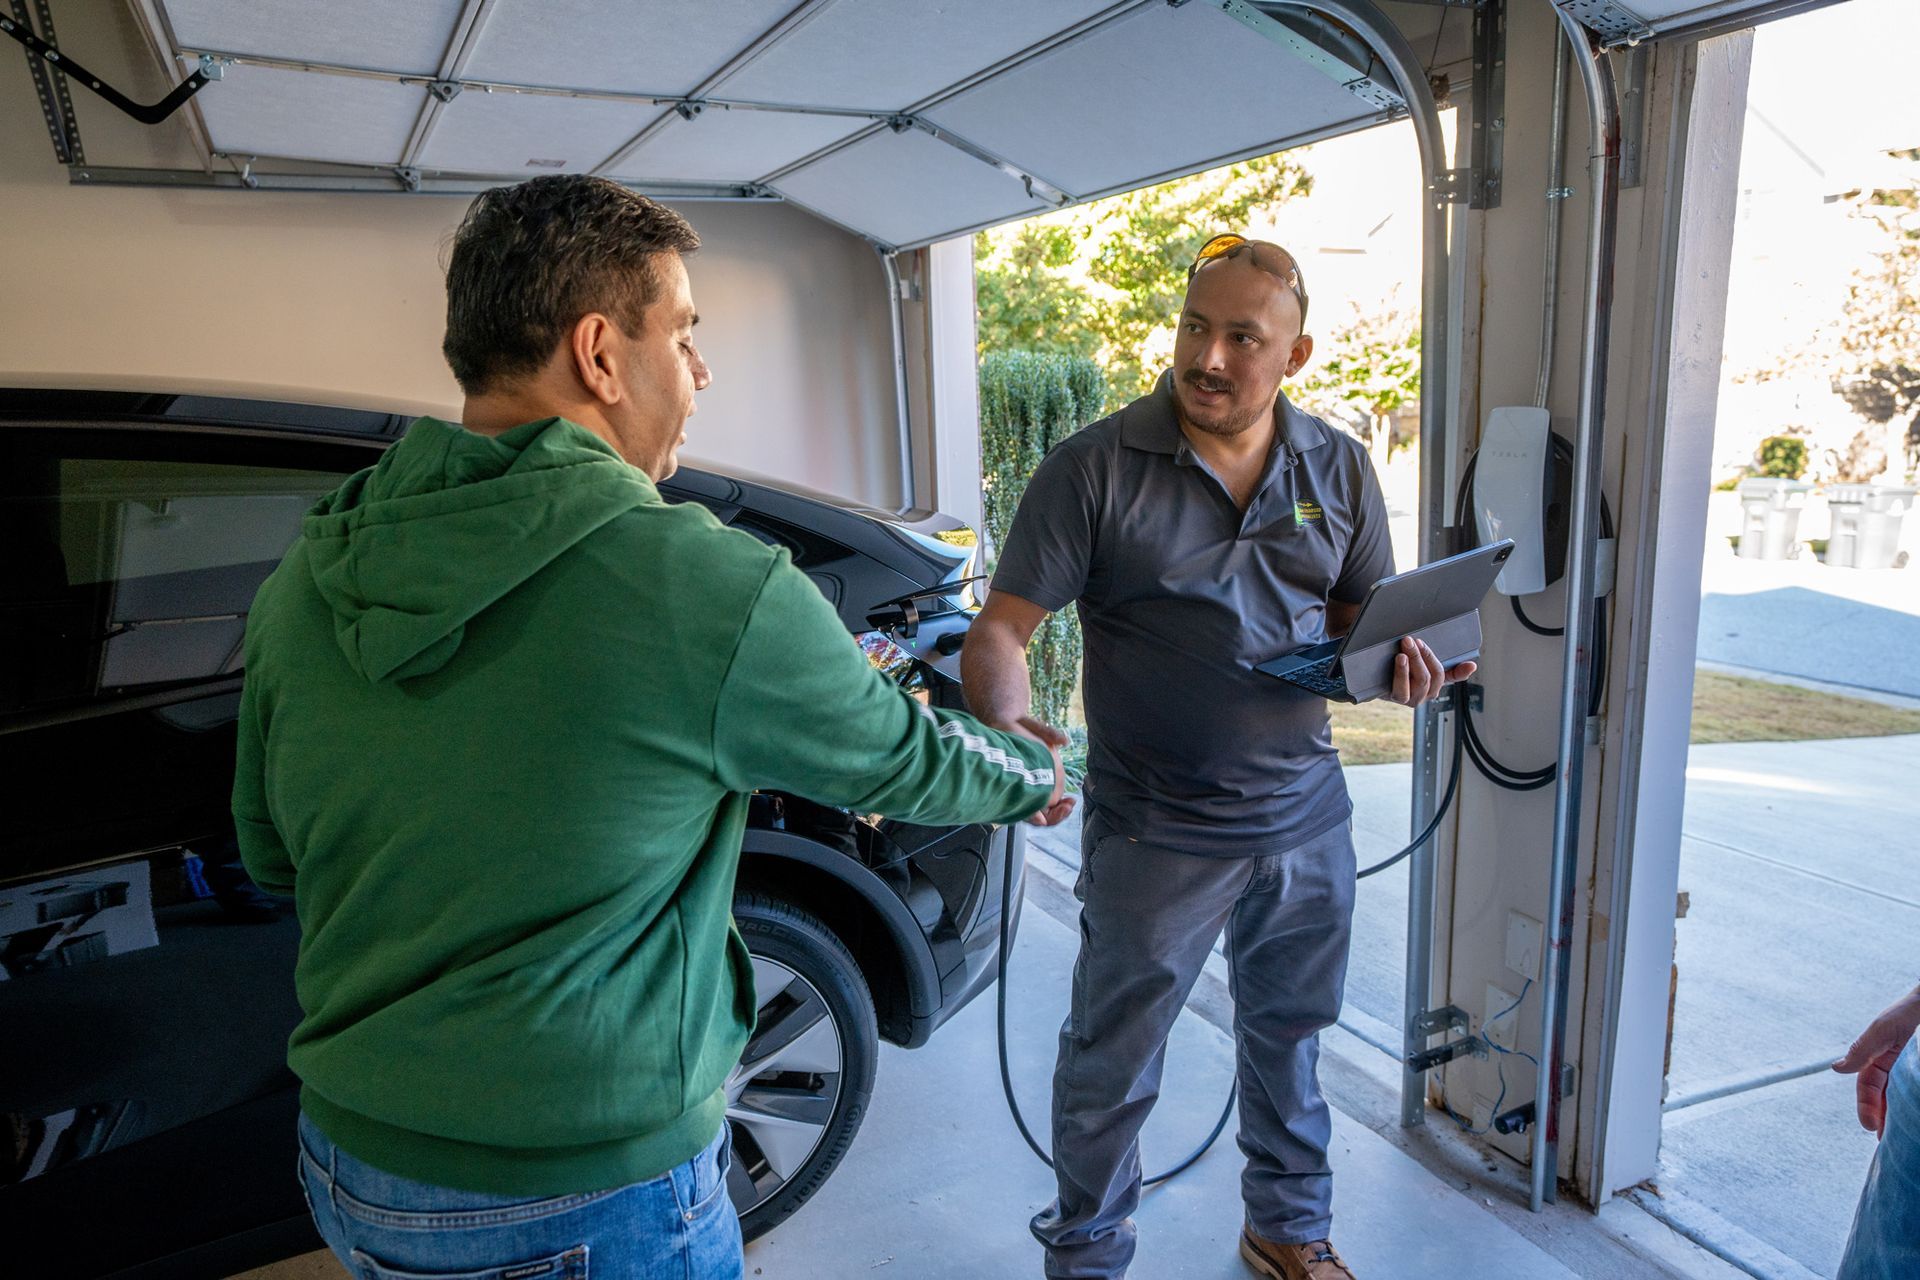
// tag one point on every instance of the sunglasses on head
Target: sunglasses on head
(1264, 254)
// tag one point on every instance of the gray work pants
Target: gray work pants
(1148, 919)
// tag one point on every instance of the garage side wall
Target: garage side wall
(338, 298)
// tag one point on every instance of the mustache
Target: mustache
(1194, 378)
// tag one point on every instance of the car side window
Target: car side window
(132, 560)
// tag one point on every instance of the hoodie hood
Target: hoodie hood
(449, 521)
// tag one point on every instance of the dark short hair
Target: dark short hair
(529, 260)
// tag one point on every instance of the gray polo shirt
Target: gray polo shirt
(1180, 594)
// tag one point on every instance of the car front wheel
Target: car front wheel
(805, 1078)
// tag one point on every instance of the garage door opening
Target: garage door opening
(1797, 860)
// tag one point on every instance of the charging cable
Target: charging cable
(1006, 1073)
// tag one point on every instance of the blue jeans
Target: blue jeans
(1885, 1244)
(678, 1226)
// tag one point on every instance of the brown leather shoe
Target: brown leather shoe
(1316, 1261)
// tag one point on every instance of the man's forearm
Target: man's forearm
(993, 670)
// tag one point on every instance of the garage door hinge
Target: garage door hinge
(409, 176)
(445, 90)
(1381, 97)
(1453, 186)
(1613, 23)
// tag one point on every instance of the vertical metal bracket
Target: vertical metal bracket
(1633, 114)
(1488, 148)
(56, 104)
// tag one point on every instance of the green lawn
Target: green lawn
(1725, 709)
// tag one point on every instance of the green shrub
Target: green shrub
(1029, 402)
(1783, 457)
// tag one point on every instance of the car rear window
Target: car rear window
(130, 560)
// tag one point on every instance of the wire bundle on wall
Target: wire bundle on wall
(1490, 766)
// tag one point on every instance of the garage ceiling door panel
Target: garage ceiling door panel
(885, 55)
(375, 34)
(1153, 93)
(340, 119)
(663, 46)
(733, 146)
(527, 134)
(1153, 90)
(907, 187)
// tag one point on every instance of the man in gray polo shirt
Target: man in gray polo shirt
(1206, 527)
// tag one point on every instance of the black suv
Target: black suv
(146, 988)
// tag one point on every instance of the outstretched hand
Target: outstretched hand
(1418, 676)
(1872, 1057)
(1061, 804)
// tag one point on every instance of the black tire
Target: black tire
(821, 1015)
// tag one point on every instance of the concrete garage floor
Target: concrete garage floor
(952, 1203)
(939, 1186)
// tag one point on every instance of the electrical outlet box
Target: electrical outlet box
(1497, 1029)
(1523, 945)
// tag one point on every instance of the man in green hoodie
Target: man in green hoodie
(503, 710)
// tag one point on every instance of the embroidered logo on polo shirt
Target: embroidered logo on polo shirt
(1306, 511)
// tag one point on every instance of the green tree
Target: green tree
(1105, 280)
(1029, 402)
(1783, 457)
(1369, 368)
(1880, 336)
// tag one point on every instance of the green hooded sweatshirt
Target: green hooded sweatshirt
(503, 709)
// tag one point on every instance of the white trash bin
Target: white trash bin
(1879, 545)
(1770, 517)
